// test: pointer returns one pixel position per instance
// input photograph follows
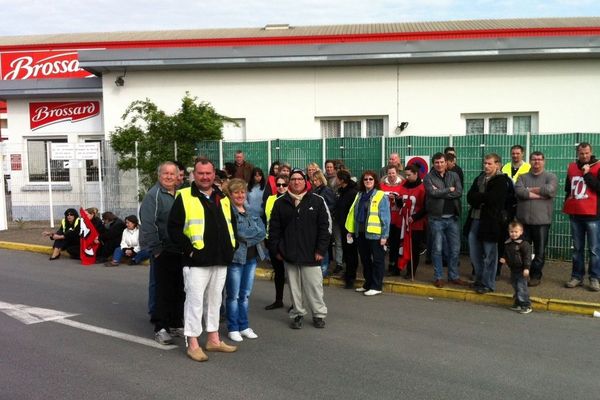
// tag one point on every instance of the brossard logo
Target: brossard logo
(41, 65)
(48, 113)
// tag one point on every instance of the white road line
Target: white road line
(115, 334)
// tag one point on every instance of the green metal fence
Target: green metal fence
(359, 154)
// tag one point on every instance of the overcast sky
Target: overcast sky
(26, 17)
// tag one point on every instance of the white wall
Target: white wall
(283, 103)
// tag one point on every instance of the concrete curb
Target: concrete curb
(410, 288)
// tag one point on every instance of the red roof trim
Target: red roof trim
(318, 39)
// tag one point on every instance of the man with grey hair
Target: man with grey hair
(535, 192)
(165, 301)
(393, 161)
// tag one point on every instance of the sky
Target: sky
(30, 17)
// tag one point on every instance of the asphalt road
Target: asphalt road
(385, 347)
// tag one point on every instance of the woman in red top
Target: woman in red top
(391, 184)
(412, 195)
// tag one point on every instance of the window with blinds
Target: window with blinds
(352, 127)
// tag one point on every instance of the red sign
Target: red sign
(15, 162)
(44, 114)
(42, 65)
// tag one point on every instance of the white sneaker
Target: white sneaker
(235, 336)
(248, 333)
(372, 292)
(360, 289)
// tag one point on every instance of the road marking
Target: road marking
(34, 315)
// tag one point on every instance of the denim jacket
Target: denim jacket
(250, 232)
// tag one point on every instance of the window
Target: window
(37, 157)
(352, 127)
(498, 125)
(474, 126)
(501, 123)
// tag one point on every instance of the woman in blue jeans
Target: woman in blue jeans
(240, 274)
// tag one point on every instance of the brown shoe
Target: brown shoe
(222, 347)
(459, 282)
(438, 283)
(197, 354)
(534, 282)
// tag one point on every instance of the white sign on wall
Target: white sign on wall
(74, 151)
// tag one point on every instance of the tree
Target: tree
(156, 134)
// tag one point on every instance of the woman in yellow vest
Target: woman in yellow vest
(67, 236)
(368, 222)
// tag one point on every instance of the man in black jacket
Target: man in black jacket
(487, 198)
(299, 234)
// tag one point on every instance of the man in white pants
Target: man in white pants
(200, 222)
(299, 233)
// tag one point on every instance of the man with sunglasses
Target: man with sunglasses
(299, 234)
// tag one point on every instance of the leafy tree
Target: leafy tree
(156, 134)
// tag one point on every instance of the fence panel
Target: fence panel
(358, 154)
(297, 153)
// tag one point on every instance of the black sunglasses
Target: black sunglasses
(282, 185)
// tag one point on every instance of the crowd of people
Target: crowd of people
(205, 236)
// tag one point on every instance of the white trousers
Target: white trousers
(203, 297)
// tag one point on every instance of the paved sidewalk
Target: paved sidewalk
(550, 295)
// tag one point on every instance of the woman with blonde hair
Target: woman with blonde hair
(240, 274)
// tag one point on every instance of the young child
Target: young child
(517, 254)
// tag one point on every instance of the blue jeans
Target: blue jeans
(519, 284)
(325, 264)
(580, 228)
(137, 257)
(484, 256)
(372, 257)
(239, 282)
(445, 230)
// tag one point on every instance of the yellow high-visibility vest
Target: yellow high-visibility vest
(373, 220)
(269, 208)
(64, 224)
(194, 218)
(523, 169)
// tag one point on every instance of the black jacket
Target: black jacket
(517, 254)
(297, 233)
(344, 201)
(326, 193)
(217, 244)
(492, 205)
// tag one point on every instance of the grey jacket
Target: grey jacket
(154, 215)
(536, 211)
(437, 190)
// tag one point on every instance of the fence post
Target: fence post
(49, 153)
(324, 152)
(175, 149)
(527, 145)
(450, 141)
(383, 162)
(137, 179)
(3, 219)
(221, 154)
(100, 179)
(269, 161)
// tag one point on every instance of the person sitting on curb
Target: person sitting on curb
(130, 244)
(67, 236)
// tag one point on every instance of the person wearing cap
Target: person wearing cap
(67, 236)
(299, 234)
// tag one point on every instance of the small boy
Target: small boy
(517, 254)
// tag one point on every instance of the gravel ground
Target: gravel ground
(556, 273)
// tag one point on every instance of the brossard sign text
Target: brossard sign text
(41, 65)
(48, 113)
